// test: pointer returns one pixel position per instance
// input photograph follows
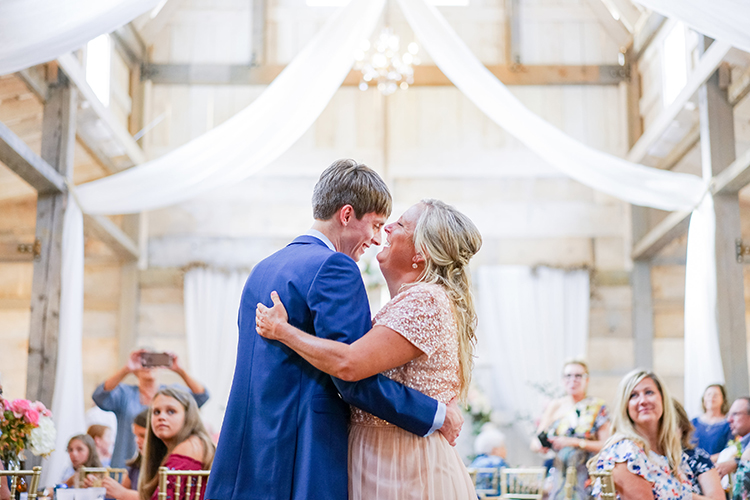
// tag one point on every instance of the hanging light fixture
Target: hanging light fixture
(382, 65)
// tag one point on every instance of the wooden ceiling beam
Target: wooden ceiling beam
(426, 75)
(28, 165)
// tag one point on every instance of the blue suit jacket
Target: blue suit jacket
(284, 434)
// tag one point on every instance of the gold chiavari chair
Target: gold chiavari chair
(188, 484)
(522, 483)
(486, 481)
(115, 473)
(606, 482)
(14, 476)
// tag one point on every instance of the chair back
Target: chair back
(14, 477)
(188, 484)
(486, 480)
(606, 482)
(522, 483)
(118, 474)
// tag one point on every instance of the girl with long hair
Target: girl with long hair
(82, 453)
(175, 438)
(423, 338)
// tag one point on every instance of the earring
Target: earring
(414, 265)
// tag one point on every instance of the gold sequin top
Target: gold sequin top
(424, 316)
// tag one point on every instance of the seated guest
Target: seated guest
(128, 490)
(489, 446)
(739, 422)
(126, 401)
(712, 431)
(176, 439)
(103, 439)
(644, 453)
(82, 453)
(705, 479)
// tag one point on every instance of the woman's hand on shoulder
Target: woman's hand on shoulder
(268, 321)
(192, 447)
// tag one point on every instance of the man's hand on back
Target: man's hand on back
(453, 421)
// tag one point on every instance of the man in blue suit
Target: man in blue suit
(284, 434)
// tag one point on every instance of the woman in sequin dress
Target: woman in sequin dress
(422, 338)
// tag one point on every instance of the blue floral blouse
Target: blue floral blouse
(698, 461)
(653, 467)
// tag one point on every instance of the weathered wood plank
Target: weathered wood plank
(28, 165)
(235, 74)
(115, 238)
(717, 155)
(706, 67)
(73, 70)
(58, 144)
(673, 226)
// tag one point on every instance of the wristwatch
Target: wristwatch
(582, 444)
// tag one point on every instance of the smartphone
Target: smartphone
(153, 359)
(544, 439)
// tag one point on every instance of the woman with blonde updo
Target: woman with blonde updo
(423, 338)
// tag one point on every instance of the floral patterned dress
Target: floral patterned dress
(698, 461)
(651, 466)
(583, 421)
(741, 490)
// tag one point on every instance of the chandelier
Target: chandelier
(382, 64)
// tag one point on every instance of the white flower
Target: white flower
(42, 438)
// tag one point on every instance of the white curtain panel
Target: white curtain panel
(531, 321)
(36, 31)
(68, 399)
(627, 181)
(212, 300)
(252, 138)
(725, 20)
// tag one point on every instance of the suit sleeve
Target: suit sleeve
(340, 310)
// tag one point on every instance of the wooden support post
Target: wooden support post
(58, 143)
(642, 302)
(718, 153)
(129, 294)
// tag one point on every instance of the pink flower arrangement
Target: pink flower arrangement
(25, 425)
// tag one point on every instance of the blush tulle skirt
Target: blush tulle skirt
(389, 463)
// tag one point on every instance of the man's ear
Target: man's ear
(346, 214)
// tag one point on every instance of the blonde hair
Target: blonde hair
(155, 452)
(578, 362)
(624, 429)
(448, 239)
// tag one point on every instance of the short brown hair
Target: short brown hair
(347, 182)
(97, 431)
(724, 403)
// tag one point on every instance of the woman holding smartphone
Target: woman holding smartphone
(126, 400)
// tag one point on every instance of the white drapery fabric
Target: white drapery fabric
(36, 31)
(724, 20)
(532, 320)
(252, 138)
(271, 124)
(627, 181)
(212, 300)
(68, 400)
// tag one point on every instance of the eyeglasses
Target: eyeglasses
(577, 376)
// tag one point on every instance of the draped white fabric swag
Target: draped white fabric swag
(260, 133)
(532, 321)
(36, 31)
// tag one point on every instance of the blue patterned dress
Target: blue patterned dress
(653, 467)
